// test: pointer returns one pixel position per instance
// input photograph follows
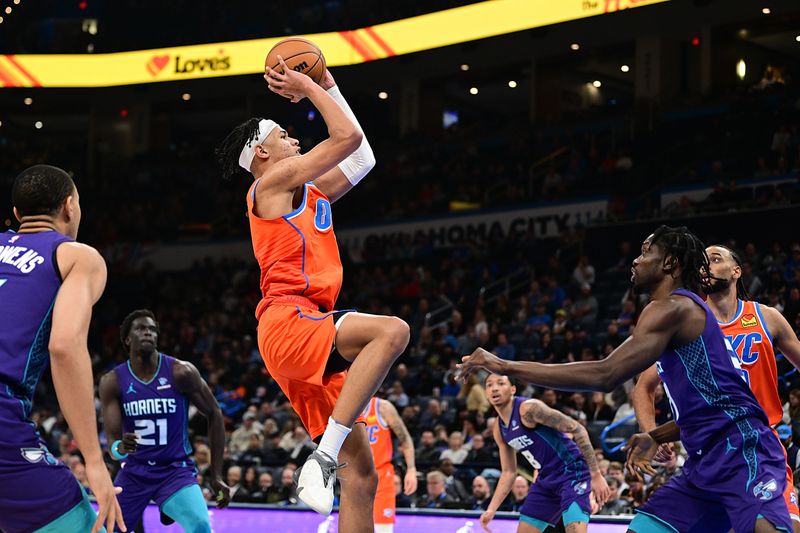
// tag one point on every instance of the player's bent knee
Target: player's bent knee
(398, 333)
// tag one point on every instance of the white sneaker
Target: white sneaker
(315, 482)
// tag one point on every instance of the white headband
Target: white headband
(265, 127)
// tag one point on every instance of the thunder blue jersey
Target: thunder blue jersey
(706, 390)
(546, 449)
(157, 412)
(29, 283)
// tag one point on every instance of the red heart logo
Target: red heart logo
(157, 64)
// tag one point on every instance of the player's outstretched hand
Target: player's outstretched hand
(480, 358)
(486, 517)
(410, 482)
(108, 510)
(600, 488)
(289, 83)
(130, 443)
(327, 80)
(222, 493)
(641, 449)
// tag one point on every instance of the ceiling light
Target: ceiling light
(464, 67)
(383, 95)
(766, 11)
(38, 124)
(597, 83)
(625, 68)
(512, 84)
(574, 46)
(473, 90)
(28, 100)
(186, 97)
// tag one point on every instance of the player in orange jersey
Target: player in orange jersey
(383, 420)
(754, 332)
(306, 345)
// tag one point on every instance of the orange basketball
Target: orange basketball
(299, 54)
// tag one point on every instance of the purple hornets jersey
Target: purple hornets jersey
(158, 413)
(546, 449)
(29, 282)
(706, 390)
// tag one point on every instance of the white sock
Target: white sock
(333, 438)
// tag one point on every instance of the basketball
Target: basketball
(299, 54)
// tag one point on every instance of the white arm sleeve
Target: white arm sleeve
(360, 162)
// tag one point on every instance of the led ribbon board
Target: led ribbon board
(434, 30)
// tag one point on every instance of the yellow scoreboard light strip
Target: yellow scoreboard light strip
(425, 32)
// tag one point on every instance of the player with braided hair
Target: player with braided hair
(735, 475)
(756, 332)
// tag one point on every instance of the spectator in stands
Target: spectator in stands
(426, 451)
(599, 410)
(792, 409)
(792, 263)
(240, 438)
(398, 396)
(615, 504)
(253, 455)
(584, 272)
(480, 452)
(467, 341)
(519, 491)
(433, 415)
(481, 495)
(250, 481)
(504, 349)
(264, 489)
(540, 317)
(453, 485)
(792, 451)
(575, 407)
(752, 282)
(297, 444)
(550, 398)
(285, 493)
(456, 450)
(585, 308)
(202, 458)
(401, 500)
(234, 479)
(560, 323)
(617, 471)
(436, 496)
(474, 395)
(623, 262)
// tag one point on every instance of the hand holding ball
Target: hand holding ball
(300, 55)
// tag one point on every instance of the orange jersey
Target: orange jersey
(379, 434)
(752, 342)
(297, 253)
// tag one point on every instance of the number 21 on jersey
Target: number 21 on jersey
(146, 431)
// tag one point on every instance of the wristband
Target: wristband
(114, 451)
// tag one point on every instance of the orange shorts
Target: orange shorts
(383, 511)
(295, 340)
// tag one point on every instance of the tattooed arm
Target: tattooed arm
(534, 412)
(404, 442)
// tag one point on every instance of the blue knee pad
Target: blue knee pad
(79, 518)
(188, 508)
